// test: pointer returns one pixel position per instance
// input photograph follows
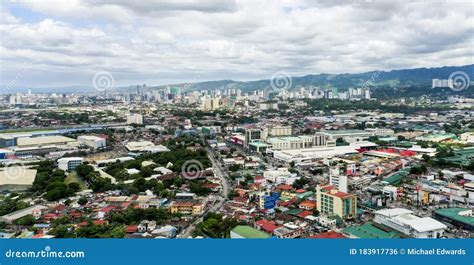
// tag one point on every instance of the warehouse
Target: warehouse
(14, 178)
(91, 141)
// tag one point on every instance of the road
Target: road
(222, 175)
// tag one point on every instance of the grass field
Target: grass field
(72, 177)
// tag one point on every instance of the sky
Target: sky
(53, 43)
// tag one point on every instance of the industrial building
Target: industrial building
(35, 211)
(404, 221)
(91, 141)
(459, 217)
(16, 177)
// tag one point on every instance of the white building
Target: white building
(280, 175)
(296, 142)
(405, 222)
(69, 163)
(138, 146)
(350, 136)
(92, 141)
(380, 131)
(338, 180)
(134, 119)
(279, 130)
(16, 177)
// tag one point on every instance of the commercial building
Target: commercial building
(297, 142)
(460, 217)
(405, 222)
(279, 130)
(380, 131)
(255, 134)
(45, 141)
(350, 136)
(369, 231)
(68, 164)
(187, 207)
(320, 152)
(43, 144)
(331, 201)
(279, 176)
(138, 146)
(339, 181)
(92, 141)
(135, 119)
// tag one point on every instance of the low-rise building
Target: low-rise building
(91, 141)
(187, 207)
(405, 222)
(68, 164)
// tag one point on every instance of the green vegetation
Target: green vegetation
(215, 226)
(92, 178)
(51, 182)
(8, 205)
(134, 216)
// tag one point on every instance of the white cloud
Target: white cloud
(164, 41)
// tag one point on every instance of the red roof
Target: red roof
(303, 214)
(60, 208)
(131, 228)
(308, 204)
(287, 203)
(330, 190)
(300, 191)
(241, 199)
(107, 209)
(266, 225)
(330, 234)
(284, 187)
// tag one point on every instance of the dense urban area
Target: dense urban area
(172, 163)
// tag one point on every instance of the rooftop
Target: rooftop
(249, 232)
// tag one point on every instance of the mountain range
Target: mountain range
(418, 78)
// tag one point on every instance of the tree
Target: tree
(84, 170)
(27, 220)
(82, 200)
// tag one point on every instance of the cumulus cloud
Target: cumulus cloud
(158, 42)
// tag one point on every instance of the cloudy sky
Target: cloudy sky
(53, 43)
